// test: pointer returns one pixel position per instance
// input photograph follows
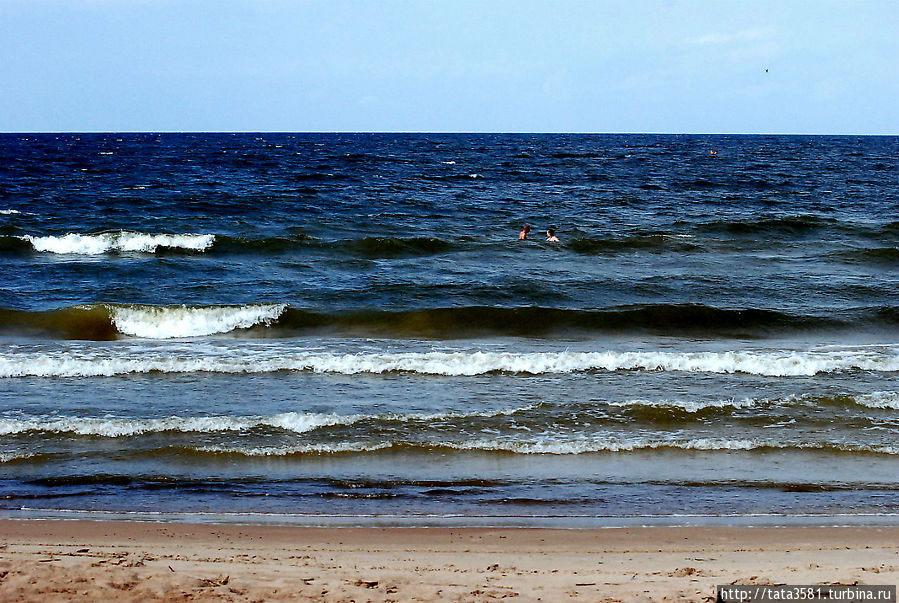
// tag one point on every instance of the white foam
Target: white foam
(163, 323)
(7, 457)
(879, 400)
(120, 427)
(157, 322)
(336, 448)
(9, 212)
(552, 447)
(585, 446)
(96, 244)
(296, 422)
(691, 406)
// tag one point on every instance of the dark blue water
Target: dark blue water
(304, 325)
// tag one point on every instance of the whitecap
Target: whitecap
(879, 400)
(296, 422)
(162, 323)
(155, 322)
(96, 244)
(335, 448)
(125, 427)
(8, 457)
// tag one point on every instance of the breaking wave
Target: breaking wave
(157, 322)
(138, 242)
(879, 400)
(122, 241)
(106, 321)
(11, 457)
(112, 361)
(295, 422)
(113, 427)
(625, 445)
(549, 447)
(103, 322)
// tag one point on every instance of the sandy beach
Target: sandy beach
(130, 561)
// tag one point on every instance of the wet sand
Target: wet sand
(133, 561)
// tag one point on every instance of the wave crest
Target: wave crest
(118, 427)
(296, 422)
(92, 321)
(75, 363)
(122, 241)
(548, 447)
(161, 322)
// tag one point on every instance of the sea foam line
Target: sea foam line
(111, 361)
(96, 244)
(700, 444)
(296, 422)
(121, 427)
(877, 399)
(549, 447)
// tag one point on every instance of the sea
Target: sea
(345, 329)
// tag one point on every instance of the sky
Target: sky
(673, 66)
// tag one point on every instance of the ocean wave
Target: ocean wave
(111, 362)
(297, 450)
(689, 406)
(160, 322)
(699, 444)
(295, 422)
(378, 247)
(15, 245)
(538, 321)
(666, 410)
(104, 322)
(126, 241)
(364, 247)
(11, 457)
(120, 427)
(87, 321)
(878, 400)
(122, 241)
(548, 447)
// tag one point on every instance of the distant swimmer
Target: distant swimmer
(713, 152)
(551, 236)
(524, 233)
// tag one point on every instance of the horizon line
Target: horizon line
(442, 132)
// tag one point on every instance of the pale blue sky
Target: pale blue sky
(494, 66)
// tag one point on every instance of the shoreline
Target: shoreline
(462, 521)
(130, 561)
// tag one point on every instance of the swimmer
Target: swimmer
(551, 236)
(524, 233)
